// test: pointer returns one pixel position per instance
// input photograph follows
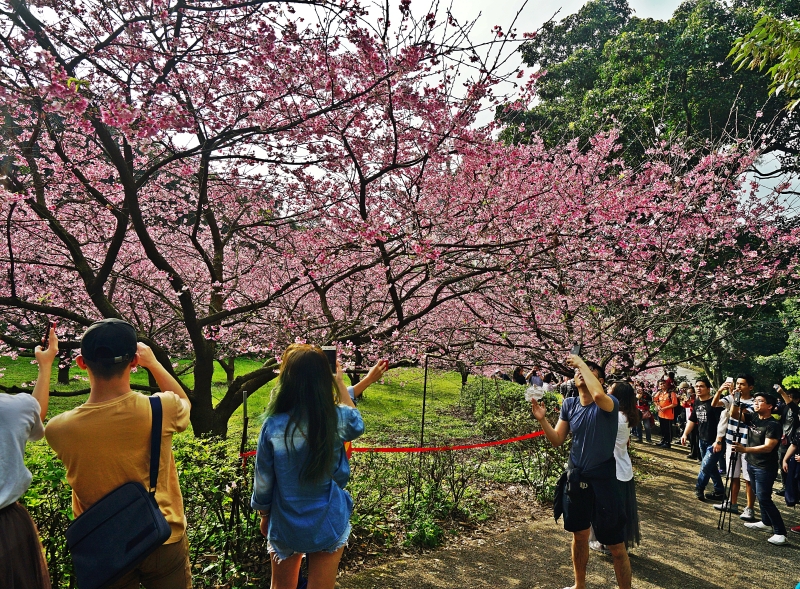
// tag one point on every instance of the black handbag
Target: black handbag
(119, 531)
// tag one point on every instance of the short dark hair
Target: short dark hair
(107, 371)
(601, 374)
(704, 380)
(747, 377)
(793, 392)
(769, 399)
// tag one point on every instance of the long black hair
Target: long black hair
(306, 391)
(627, 402)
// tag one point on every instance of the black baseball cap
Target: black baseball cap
(110, 341)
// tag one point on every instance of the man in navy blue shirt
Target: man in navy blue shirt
(589, 492)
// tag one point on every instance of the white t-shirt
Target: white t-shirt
(19, 423)
(624, 466)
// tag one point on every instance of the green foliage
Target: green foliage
(773, 41)
(764, 342)
(49, 501)
(225, 543)
(502, 412)
(654, 80)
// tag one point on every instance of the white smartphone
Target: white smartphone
(729, 379)
(330, 353)
(777, 387)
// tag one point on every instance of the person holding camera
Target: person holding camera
(731, 430)
(302, 469)
(762, 464)
(588, 493)
(105, 443)
(22, 563)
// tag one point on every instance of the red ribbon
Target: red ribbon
(431, 448)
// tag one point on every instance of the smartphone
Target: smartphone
(576, 350)
(45, 341)
(729, 379)
(330, 354)
(777, 387)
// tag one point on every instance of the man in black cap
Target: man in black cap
(105, 443)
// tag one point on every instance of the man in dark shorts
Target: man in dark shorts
(589, 494)
(763, 435)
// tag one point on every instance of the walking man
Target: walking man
(705, 418)
(105, 443)
(762, 464)
(589, 494)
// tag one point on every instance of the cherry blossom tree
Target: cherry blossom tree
(215, 172)
(232, 177)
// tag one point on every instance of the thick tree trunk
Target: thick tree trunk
(63, 373)
(202, 415)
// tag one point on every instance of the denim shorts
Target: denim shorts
(279, 552)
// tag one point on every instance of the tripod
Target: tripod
(726, 512)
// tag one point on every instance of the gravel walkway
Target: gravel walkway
(681, 547)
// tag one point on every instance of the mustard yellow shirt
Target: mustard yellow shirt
(105, 445)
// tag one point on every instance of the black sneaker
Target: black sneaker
(699, 495)
(779, 492)
(715, 496)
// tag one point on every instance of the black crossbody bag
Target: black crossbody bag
(119, 531)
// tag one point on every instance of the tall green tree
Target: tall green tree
(656, 80)
(773, 42)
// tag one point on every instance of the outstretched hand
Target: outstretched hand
(376, 372)
(539, 411)
(46, 357)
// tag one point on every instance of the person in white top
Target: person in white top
(22, 564)
(628, 417)
(732, 430)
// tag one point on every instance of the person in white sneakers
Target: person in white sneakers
(762, 464)
(732, 430)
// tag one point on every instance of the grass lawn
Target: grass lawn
(392, 408)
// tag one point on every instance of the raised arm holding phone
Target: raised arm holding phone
(22, 562)
(589, 488)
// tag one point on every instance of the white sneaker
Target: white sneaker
(757, 525)
(748, 515)
(778, 540)
(726, 506)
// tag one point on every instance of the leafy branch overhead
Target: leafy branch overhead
(773, 43)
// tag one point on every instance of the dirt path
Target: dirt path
(681, 547)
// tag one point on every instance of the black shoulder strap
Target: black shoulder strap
(155, 441)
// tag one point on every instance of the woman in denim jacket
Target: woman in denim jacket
(301, 468)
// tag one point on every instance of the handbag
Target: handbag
(119, 531)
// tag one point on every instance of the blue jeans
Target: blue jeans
(643, 424)
(762, 480)
(709, 468)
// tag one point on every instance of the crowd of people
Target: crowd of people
(734, 432)
(302, 470)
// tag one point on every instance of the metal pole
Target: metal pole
(424, 398)
(243, 445)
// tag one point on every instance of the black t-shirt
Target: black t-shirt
(789, 419)
(759, 430)
(707, 418)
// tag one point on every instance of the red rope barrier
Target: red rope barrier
(436, 448)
